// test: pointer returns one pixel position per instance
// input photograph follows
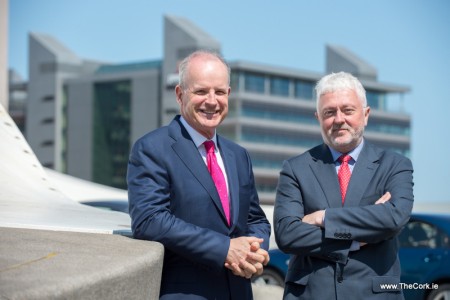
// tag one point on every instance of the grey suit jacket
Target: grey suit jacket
(322, 265)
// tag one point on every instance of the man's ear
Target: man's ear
(366, 114)
(179, 93)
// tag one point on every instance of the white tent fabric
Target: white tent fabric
(29, 198)
(82, 190)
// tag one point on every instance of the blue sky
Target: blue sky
(408, 41)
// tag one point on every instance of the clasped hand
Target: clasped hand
(246, 257)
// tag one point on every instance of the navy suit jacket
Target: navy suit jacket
(173, 200)
(321, 265)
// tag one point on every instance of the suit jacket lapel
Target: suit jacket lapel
(362, 174)
(229, 162)
(185, 148)
(324, 170)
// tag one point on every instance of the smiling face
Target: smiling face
(342, 119)
(203, 99)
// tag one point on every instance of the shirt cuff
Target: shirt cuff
(354, 246)
(323, 219)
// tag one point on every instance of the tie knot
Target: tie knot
(344, 158)
(209, 146)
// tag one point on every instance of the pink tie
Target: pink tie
(217, 177)
(344, 174)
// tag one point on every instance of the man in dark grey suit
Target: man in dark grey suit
(343, 246)
(215, 233)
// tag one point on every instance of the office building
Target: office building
(4, 53)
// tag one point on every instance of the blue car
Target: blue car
(424, 257)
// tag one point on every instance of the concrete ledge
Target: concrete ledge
(40, 264)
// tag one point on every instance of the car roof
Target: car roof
(439, 219)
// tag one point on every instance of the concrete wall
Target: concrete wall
(50, 63)
(145, 104)
(41, 264)
(80, 129)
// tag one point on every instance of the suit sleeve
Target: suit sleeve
(149, 188)
(258, 225)
(377, 222)
(291, 234)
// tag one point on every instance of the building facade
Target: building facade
(272, 114)
(82, 116)
(4, 53)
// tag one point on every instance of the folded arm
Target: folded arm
(382, 220)
(297, 232)
(294, 236)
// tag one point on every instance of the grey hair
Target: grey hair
(337, 82)
(182, 67)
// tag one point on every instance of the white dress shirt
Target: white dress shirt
(199, 139)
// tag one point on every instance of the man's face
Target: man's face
(204, 101)
(342, 119)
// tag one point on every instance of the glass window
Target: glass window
(279, 86)
(254, 83)
(422, 235)
(271, 113)
(257, 136)
(112, 101)
(48, 121)
(229, 133)
(304, 90)
(48, 165)
(47, 143)
(234, 82)
(267, 161)
(266, 188)
(232, 107)
(64, 130)
(376, 100)
(374, 126)
(48, 98)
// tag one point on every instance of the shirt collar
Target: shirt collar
(354, 153)
(196, 137)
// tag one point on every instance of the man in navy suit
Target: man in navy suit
(343, 246)
(212, 248)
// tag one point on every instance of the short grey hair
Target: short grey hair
(337, 82)
(182, 67)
